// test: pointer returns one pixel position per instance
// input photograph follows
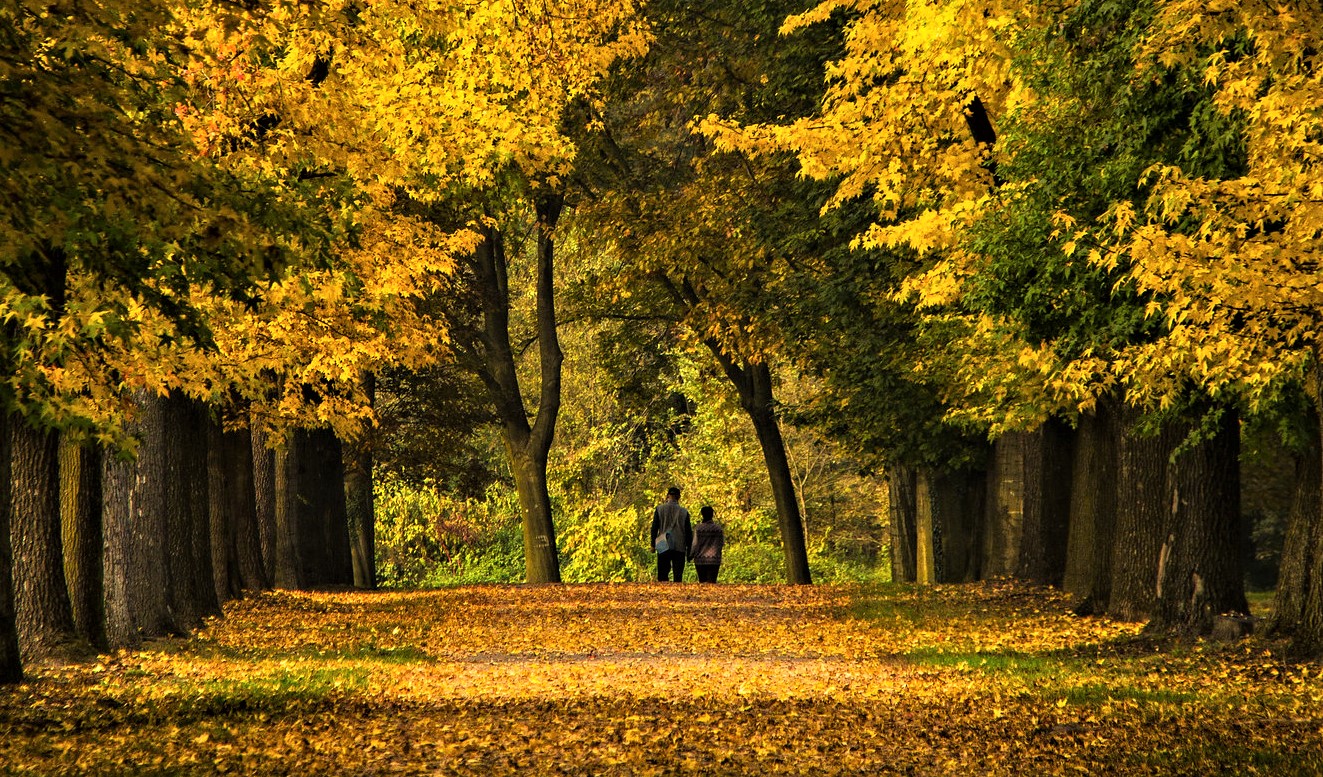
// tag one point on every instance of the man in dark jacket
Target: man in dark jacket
(670, 523)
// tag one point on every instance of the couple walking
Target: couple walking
(674, 539)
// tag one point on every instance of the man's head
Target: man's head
(673, 493)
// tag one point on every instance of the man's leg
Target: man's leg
(663, 565)
(679, 566)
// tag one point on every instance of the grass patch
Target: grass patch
(279, 690)
(1092, 695)
(1027, 666)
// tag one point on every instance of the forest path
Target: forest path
(659, 679)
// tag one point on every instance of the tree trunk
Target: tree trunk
(313, 527)
(234, 520)
(925, 567)
(192, 593)
(540, 553)
(1293, 577)
(1141, 514)
(1004, 526)
(1200, 569)
(226, 579)
(958, 509)
(11, 662)
(901, 484)
(288, 560)
(762, 413)
(360, 504)
(1047, 504)
(80, 520)
(135, 565)
(1308, 633)
(41, 596)
(264, 488)
(241, 501)
(1092, 511)
(527, 445)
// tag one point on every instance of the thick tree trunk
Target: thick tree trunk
(902, 484)
(1045, 529)
(1293, 577)
(958, 509)
(1308, 632)
(11, 662)
(80, 519)
(312, 523)
(360, 503)
(1004, 526)
(1142, 510)
(540, 552)
(234, 519)
(241, 501)
(1088, 572)
(1200, 571)
(926, 563)
(264, 488)
(41, 596)
(192, 594)
(288, 559)
(134, 526)
(226, 578)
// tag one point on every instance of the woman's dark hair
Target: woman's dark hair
(706, 511)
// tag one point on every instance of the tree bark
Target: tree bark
(288, 560)
(360, 503)
(11, 662)
(1308, 632)
(527, 445)
(1293, 578)
(41, 596)
(761, 410)
(901, 485)
(1200, 569)
(925, 567)
(264, 488)
(80, 520)
(1092, 511)
(134, 527)
(234, 520)
(958, 509)
(313, 526)
(226, 579)
(1047, 504)
(192, 594)
(1141, 514)
(1004, 526)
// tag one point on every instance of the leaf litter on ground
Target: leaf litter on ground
(652, 678)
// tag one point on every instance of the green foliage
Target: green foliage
(612, 463)
(426, 538)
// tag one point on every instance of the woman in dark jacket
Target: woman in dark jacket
(709, 538)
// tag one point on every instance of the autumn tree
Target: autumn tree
(716, 232)
(106, 215)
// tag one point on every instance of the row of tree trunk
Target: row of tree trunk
(1140, 526)
(103, 550)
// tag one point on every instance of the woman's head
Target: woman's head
(707, 512)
